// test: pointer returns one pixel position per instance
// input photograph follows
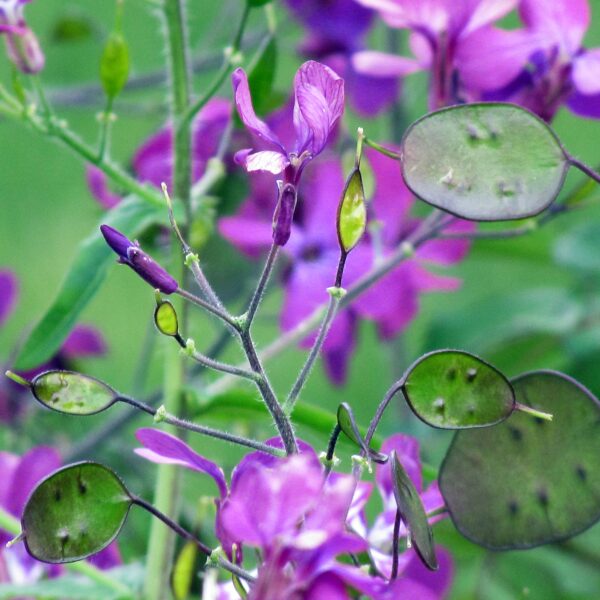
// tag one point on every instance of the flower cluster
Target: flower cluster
(303, 520)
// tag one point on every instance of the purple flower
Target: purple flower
(558, 68)
(443, 41)
(22, 45)
(319, 104)
(313, 252)
(132, 255)
(20, 475)
(336, 30)
(83, 341)
(153, 161)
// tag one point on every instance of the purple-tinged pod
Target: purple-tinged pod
(284, 215)
(132, 255)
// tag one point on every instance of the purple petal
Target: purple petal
(586, 72)
(559, 21)
(36, 464)
(508, 51)
(264, 160)
(8, 465)
(267, 503)
(84, 340)
(319, 93)
(108, 558)
(153, 162)
(585, 106)
(164, 448)
(437, 582)
(251, 236)
(371, 95)
(448, 252)
(327, 585)
(380, 64)
(433, 500)
(426, 281)
(339, 346)
(97, 182)
(485, 12)
(243, 102)
(8, 294)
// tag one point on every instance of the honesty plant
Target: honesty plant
(523, 468)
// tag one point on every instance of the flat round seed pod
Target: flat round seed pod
(452, 389)
(74, 512)
(72, 393)
(528, 481)
(484, 162)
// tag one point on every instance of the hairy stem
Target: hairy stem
(262, 284)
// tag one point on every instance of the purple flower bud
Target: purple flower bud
(116, 240)
(150, 270)
(132, 255)
(284, 214)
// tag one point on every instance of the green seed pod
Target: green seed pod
(165, 319)
(352, 213)
(114, 64)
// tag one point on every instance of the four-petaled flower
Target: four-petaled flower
(319, 104)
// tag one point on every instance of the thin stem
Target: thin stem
(186, 535)
(382, 149)
(105, 126)
(217, 312)
(262, 284)
(395, 545)
(11, 524)
(166, 492)
(282, 422)
(210, 363)
(334, 302)
(340, 269)
(335, 434)
(213, 88)
(533, 412)
(584, 168)
(396, 387)
(166, 417)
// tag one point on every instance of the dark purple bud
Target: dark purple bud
(116, 240)
(150, 270)
(284, 214)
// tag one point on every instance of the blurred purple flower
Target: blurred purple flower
(22, 45)
(83, 341)
(319, 104)
(153, 162)
(558, 69)
(313, 252)
(336, 30)
(20, 475)
(448, 38)
(133, 256)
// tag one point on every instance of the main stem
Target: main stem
(166, 494)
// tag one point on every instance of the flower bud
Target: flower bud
(114, 65)
(132, 255)
(24, 50)
(284, 214)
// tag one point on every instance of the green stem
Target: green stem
(262, 284)
(230, 60)
(166, 494)
(12, 526)
(105, 125)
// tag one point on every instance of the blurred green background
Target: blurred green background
(525, 303)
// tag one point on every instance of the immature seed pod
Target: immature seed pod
(352, 212)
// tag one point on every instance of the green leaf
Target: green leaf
(347, 423)
(578, 248)
(451, 389)
(485, 162)
(528, 481)
(86, 274)
(257, 3)
(72, 393)
(262, 75)
(413, 513)
(352, 213)
(74, 512)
